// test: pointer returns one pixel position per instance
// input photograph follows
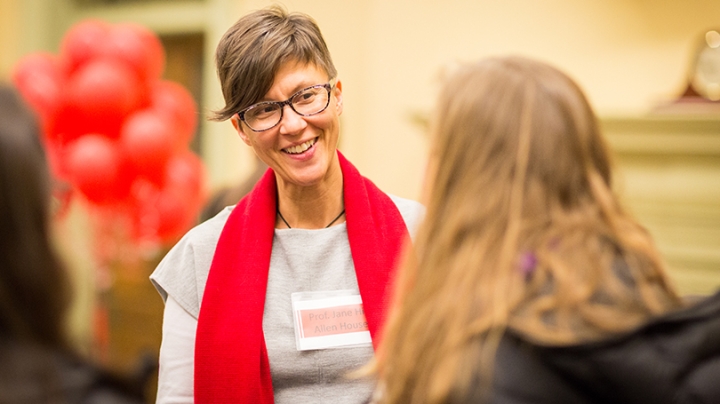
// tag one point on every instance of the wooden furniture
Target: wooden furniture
(667, 173)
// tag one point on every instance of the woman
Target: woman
(312, 235)
(39, 364)
(530, 284)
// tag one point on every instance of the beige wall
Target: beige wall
(628, 55)
(8, 29)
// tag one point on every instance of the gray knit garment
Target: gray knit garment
(304, 261)
(301, 261)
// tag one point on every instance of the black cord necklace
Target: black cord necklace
(329, 224)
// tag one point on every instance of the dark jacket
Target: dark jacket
(34, 375)
(673, 359)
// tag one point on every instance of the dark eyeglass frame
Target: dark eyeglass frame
(328, 86)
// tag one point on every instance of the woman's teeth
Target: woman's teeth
(301, 147)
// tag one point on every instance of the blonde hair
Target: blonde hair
(522, 234)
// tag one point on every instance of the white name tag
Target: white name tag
(329, 320)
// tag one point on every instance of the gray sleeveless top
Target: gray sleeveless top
(301, 261)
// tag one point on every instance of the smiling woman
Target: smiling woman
(312, 236)
(300, 148)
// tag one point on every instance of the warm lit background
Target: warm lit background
(630, 56)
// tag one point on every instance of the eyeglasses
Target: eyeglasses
(306, 102)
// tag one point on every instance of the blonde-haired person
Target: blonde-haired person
(529, 282)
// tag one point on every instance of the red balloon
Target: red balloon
(143, 213)
(176, 102)
(164, 213)
(96, 169)
(99, 96)
(176, 215)
(83, 42)
(147, 143)
(186, 172)
(185, 175)
(161, 214)
(39, 79)
(55, 153)
(138, 47)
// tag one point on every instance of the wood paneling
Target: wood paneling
(668, 175)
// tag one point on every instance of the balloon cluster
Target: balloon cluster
(114, 129)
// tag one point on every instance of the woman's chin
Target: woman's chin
(307, 176)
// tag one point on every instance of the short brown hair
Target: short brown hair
(254, 48)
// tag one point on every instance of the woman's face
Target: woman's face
(300, 149)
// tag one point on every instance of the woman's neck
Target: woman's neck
(311, 207)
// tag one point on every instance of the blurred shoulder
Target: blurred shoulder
(200, 240)
(183, 271)
(33, 374)
(412, 212)
(207, 232)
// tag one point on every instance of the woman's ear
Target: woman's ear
(240, 130)
(338, 97)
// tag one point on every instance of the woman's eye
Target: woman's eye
(305, 97)
(264, 111)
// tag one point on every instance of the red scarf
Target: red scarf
(231, 362)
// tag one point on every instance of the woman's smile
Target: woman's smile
(300, 148)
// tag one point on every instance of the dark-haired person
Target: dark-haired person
(252, 295)
(531, 285)
(37, 361)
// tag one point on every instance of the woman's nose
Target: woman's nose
(292, 122)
